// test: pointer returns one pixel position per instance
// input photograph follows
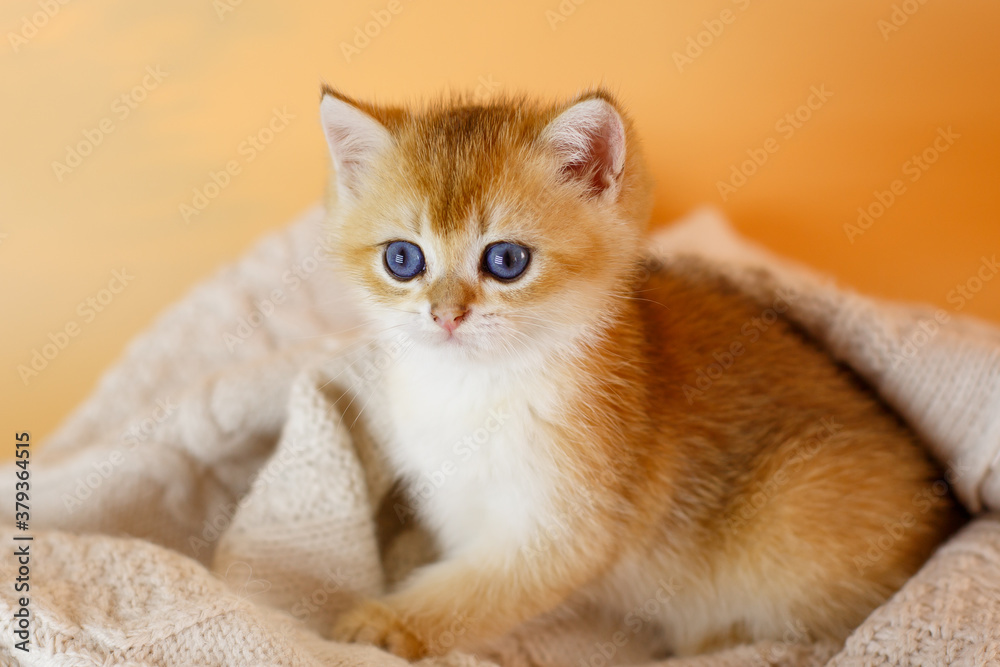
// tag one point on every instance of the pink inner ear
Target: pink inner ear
(354, 138)
(591, 138)
(596, 168)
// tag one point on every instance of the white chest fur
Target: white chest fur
(471, 443)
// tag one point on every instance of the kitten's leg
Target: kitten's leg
(478, 596)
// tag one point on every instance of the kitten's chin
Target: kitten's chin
(456, 342)
(451, 340)
(463, 346)
(490, 342)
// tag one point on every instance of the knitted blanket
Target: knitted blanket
(207, 505)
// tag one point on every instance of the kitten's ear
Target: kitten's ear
(589, 138)
(355, 139)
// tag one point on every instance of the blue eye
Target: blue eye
(506, 261)
(403, 260)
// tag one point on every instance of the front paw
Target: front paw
(373, 622)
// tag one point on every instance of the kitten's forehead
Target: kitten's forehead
(465, 164)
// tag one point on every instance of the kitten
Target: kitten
(546, 387)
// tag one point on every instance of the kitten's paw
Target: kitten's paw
(373, 622)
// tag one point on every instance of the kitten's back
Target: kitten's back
(799, 490)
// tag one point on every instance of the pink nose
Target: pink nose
(449, 317)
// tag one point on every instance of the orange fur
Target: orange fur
(761, 495)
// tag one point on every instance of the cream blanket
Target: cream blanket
(206, 505)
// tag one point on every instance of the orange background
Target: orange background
(226, 71)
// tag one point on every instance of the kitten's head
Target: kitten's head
(487, 230)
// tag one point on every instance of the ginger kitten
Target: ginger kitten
(506, 239)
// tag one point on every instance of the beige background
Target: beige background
(63, 234)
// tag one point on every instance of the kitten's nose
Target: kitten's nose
(449, 317)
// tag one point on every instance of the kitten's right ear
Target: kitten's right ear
(355, 139)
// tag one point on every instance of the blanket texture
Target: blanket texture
(208, 506)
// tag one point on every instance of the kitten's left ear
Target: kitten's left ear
(355, 138)
(589, 139)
